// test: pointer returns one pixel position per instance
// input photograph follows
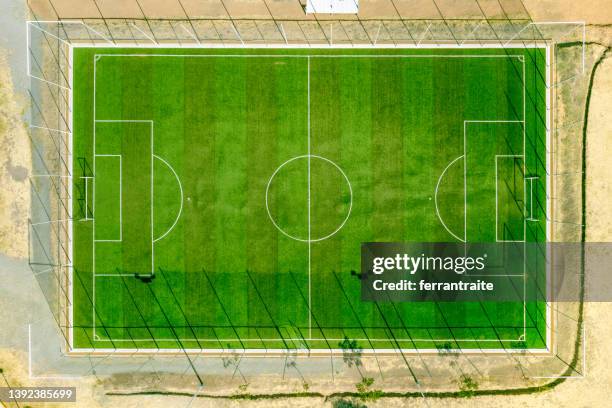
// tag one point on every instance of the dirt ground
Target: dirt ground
(15, 165)
(594, 12)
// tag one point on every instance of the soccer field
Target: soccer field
(221, 196)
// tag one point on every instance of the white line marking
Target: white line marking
(472, 32)
(145, 34)
(57, 176)
(524, 200)
(309, 219)
(87, 197)
(326, 350)
(50, 129)
(315, 339)
(549, 214)
(124, 120)
(152, 198)
(93, 210)
(311, 56)
(190, 33)
(345, 178)
(436, 199)
(258, 353)
(106, 275)
(31, 24)
(377, 34)
(48, 222)
(182, 197)
(424, 34)
(282, 29)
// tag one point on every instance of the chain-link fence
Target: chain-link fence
(55, 192)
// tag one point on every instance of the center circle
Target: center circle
(309, 198)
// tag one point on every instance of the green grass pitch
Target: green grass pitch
(246, 180)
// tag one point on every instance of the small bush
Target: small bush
(348, 404)
(365, 393)
(467, 385)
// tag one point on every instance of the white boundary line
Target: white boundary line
(306, 56)
(319, 351)
(330, 339)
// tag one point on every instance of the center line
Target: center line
(309, 227)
